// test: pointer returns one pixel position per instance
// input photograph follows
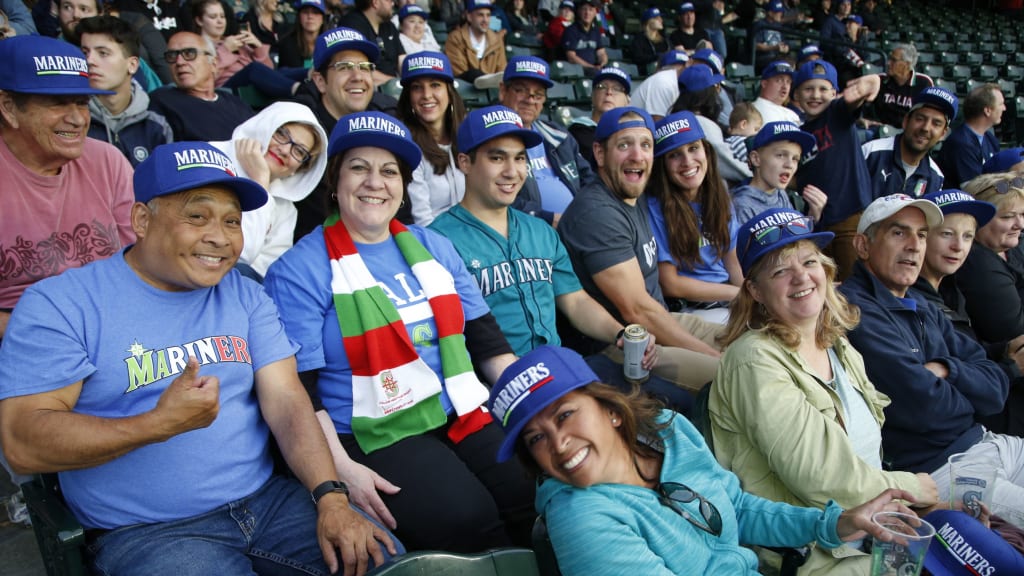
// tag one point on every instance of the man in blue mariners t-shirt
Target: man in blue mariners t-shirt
(151, 382)
(557, 170)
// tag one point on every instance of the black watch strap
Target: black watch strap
(326, 488)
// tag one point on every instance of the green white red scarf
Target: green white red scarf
(394, 393)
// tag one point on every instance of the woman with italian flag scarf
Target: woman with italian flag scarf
(388, 320)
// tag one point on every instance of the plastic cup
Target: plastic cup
(971, 482)
(904, 554)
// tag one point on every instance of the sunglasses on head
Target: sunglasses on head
(772, 234)
(1007, 185)
(671, 492)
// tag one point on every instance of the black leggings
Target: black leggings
(454, 497)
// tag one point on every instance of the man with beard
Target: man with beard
(613, 250)
(889, 159)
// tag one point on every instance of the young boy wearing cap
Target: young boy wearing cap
(774, 158)
(889, 159)
(940, 382)
(583, 41)
(610, 90)
(837, 165)
(474, 49)
(126, 401)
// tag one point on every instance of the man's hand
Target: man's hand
(363, 487)
(650, 359)
(937, 368)
(340, 529)
(190, 402)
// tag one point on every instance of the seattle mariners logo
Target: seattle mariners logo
(389, 383)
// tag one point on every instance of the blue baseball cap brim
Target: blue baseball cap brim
(711, 58)
(613, 73)
(531, 384)
(749, 250)
(1003, 161)
(338, 40)
(954, 201)
(698, 77)
(676, 130)
(318, 4)
(412, 10)
(816, 70)
(785, 132)
(528, 68)
(612, 122)
(778, 68)
(963, 544)
(182, 166)
(376, 130)
(41, 65)
(486, 124)
(427, 65)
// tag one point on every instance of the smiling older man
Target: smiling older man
(66, 198)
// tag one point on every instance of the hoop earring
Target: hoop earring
(334, 196)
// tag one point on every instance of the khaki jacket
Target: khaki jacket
(460, 52)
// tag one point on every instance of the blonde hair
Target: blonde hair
(837, 316)
(983, 188)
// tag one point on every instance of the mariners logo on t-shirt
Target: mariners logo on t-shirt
(147, 366)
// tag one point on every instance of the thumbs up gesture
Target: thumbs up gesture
(190, 402)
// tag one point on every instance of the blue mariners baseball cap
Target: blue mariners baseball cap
(41, 65)
(651, 12)
(427, 65)
(711, 58)
(181, 166)
(1003, 161)
(816, 70)
(809, 51)
(375, 129)
(474, 5)
(784, 131)
(412, 10)
(939, 98)
(698, 77)
(613, 73)
(333, 41)
(954, 201)
(531, 384)
(776, 6)
(485, 124)
(686, 7)
(854, 18)
(612, 122)
(528, 68)
(778, 68)
(673, 57)
(963, 546)
(773, 229)
(676, 130)
(318, 4)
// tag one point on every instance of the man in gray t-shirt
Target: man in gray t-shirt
(613, 250)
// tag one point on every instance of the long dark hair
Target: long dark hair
(297, 36)
(686, 229)
(453, 117)
(640, 429)
(703, 102)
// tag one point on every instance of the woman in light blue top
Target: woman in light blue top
(628, 488)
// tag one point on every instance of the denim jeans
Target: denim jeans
(270, 532)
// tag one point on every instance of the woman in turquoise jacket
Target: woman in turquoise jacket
(630, 488)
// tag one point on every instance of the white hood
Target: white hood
(261, 128)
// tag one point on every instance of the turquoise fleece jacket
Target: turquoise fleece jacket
(617, 529)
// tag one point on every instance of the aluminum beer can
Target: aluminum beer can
(634, 343)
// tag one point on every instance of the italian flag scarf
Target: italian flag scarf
(394, 393)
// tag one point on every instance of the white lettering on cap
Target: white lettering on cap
(780, 128)
(501, 117)
(953, 197)
(518, 389)
(774, 220)
(342, 35)
(60, 66)
(933, 91)
(375, 124)
(672, 128)
(199, 158)
(962, 550)
(421, 62)
(532, 67)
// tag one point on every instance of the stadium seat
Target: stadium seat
(471, 97)
(973, 58)
(1013, 73)
(1008, 88)
(614, 54)
(60, 536)
(497, 562)
(584, 88)
(392, 87)
(997, 58)
(628, 68)
(511, 51)
(562, 71)
(737, 71)
(925, 58)
(942, 83)
(560, 94)
(520, 39)
(933, 70)
(987, 73)
(564, 115)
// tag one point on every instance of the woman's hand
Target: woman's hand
(233, 43)
(816, 200)
(363, 485)
(856, 523)
(249, 39)
(251, 158)
(929, 491)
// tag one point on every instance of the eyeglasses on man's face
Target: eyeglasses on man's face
(189, 54)
(671, 492)
(523, 92)
(300, 153)
(348, 66)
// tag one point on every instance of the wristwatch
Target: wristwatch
(326, 488)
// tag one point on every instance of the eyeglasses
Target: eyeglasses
(299, 152)
(671, 492)
(189, 54)
(522, 91)
(610, 87)
(1007, 185)
(771, 234)
(346, 66)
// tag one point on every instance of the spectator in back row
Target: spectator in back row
(372, 19)
(193, 107)
(889, 159)
(557, 170)
(610, 90)
(295, 50)
(412, 23)
(556, 29)
(776, 86)
(583, 41)
(972, 143)
(688, 37)
(651, 42)
(768, 42)
(474, 49)
(123, 118)
(658, 92)
(900, 84)
(66, 197)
